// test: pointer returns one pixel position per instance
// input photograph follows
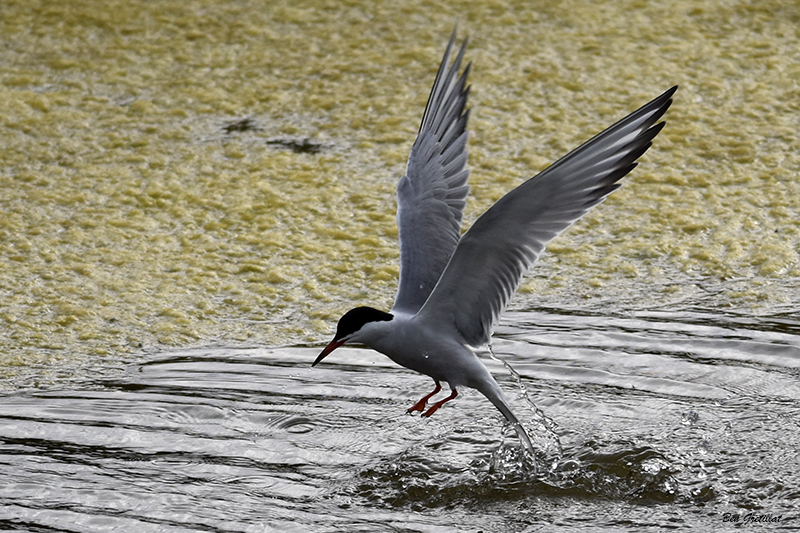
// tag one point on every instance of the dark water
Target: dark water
(653, 422)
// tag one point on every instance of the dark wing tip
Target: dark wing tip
(661, 102)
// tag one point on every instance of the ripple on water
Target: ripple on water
(231, 438)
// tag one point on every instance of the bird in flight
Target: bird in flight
(453, 287)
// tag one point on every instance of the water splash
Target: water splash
(547, 445)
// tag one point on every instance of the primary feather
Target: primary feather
(491, 258)
(432, 194)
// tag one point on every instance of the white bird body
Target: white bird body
(453, 288)
(410, 342)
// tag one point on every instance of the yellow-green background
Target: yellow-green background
(130, 220)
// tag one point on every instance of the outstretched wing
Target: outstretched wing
(432, 193)
(491, 258)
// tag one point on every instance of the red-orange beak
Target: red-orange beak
(328, 349)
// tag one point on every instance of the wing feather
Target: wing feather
(491, 258)
(432, 194)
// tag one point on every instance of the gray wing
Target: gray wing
(504, 242)
(432, 193)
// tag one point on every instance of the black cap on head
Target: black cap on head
(352, 321)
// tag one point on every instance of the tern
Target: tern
(453, 287)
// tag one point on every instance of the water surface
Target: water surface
(179, 173)
(643, 423)
(191, 192)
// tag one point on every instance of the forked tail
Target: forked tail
(492, 391)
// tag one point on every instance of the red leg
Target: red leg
(420, 405)
(437, 405)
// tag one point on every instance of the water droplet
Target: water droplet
(690, 417)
